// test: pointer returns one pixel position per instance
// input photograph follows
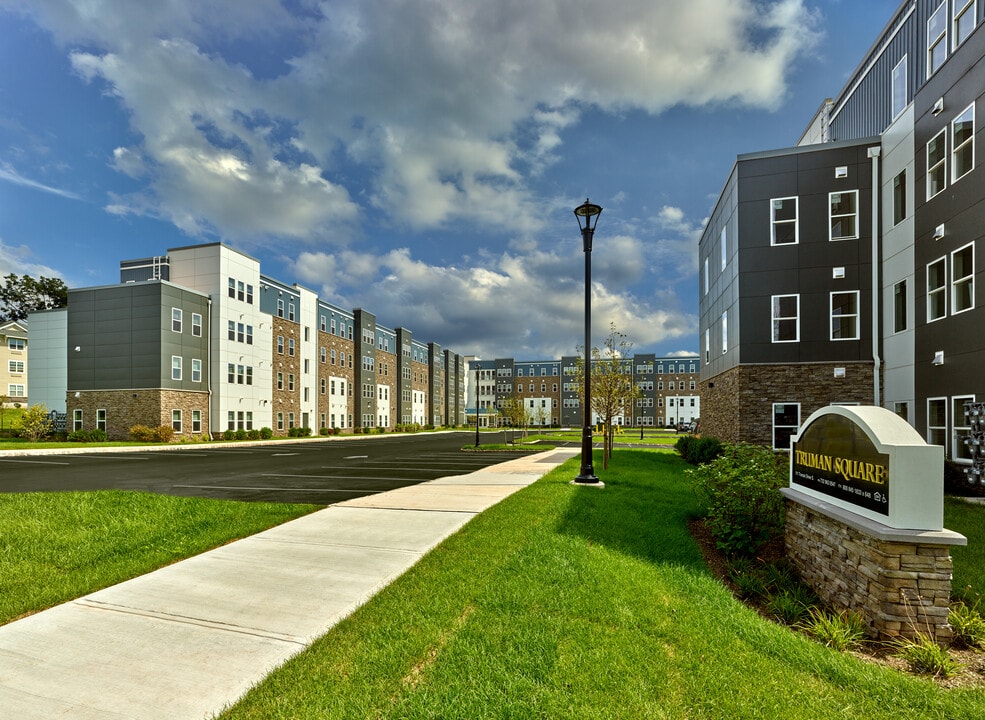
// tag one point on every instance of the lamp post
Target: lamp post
(477, 407)
(588, 217)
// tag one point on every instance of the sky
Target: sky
(420, 159)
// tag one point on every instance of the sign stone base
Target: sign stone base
(898, 580)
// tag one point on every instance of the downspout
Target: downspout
(874, 153)
(208, 428)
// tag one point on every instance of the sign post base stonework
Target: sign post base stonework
(865, 513)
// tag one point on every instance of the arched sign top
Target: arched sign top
(870, 461)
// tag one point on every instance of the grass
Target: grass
(56, 547)
(568, 602)
(969, 561)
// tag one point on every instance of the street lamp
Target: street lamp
(477, 407)
(588, 217)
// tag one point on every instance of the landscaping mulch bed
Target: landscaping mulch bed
(972, 674)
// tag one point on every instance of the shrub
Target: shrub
(36, 423)
(253, 434)
(163, 433)
(266, 433)
(228, 435)
(740, 489)
(85, 436)
(324, 431)
(924, 655)
(141, 433)
(839, 631)
(968, 625)
(698, 451)
(789, 606)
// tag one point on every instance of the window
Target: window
(280, 308)
(290, 382)
(196, 370)
(963, 143)
(786, 318)
(176, 367)
(196, 325)
(249, 334)
(902, 409)
(196, 421)
(783, 217)
(963, 279)
(899, 306)
(16, 390)
(280, 344)
(290, 347)
(231, 331)
(959, 451)
(937, 421)
(76, 419)
(17, 344)
(936, 290)
(964, 20)
(232, 288)
(249, 294)
(707, 345)
(290, 311)
(176, 420)
(101, 420)
(280, 380)
(843, 214)
(706, 276)
(786, 420)
(724, 332)
(899, 89)
(844, 315)
(15, 367)
(936, 164)
(937, 39)
(899, 198)
(280, 421)
(724, 249)
(176, 320)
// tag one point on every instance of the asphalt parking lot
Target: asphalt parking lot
(317, 472)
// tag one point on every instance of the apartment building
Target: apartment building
(13, 362)
(201, 340)
(549, 391)
(843, 269)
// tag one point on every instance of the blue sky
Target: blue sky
(417, 158)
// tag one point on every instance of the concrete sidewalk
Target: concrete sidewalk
(189, 639)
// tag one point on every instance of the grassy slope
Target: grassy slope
(59, 546)
(567, 602)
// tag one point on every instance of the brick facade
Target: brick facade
(126, 408)
(737, 405)
(899, 587)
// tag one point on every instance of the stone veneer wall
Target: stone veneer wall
(126, 408)
(899, 587)
(737, 405)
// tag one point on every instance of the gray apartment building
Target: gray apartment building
(843, 269)
(200, 340)
(549, 391)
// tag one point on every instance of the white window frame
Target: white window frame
(940, 428)
(938, 168)
(957, 284)
(724, 332)
(706, 276)
(196, 421)
(832, 216)
(959, 453)
(795, 220)
(16, 344)
(101, 419)
(176, 319)
(777, 318)
(855, 315)
(196, 325)
(899, 88)
(176, 421)
(937, 41)
(77, 419)
(941, 289)
(176, 367)
(958, 151)
(963, 11)
(15, 367)
(196, 370)
(707, 345)
(775, 427)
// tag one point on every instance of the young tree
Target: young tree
(36, 423)
(22, 295)
(613, 391)
(512, 409)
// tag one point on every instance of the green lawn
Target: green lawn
(969, 562)
(59, 546)
(573, 602)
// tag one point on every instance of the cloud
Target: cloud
(445, 109)
(9, 174)
(19, 260)
(530, 305)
